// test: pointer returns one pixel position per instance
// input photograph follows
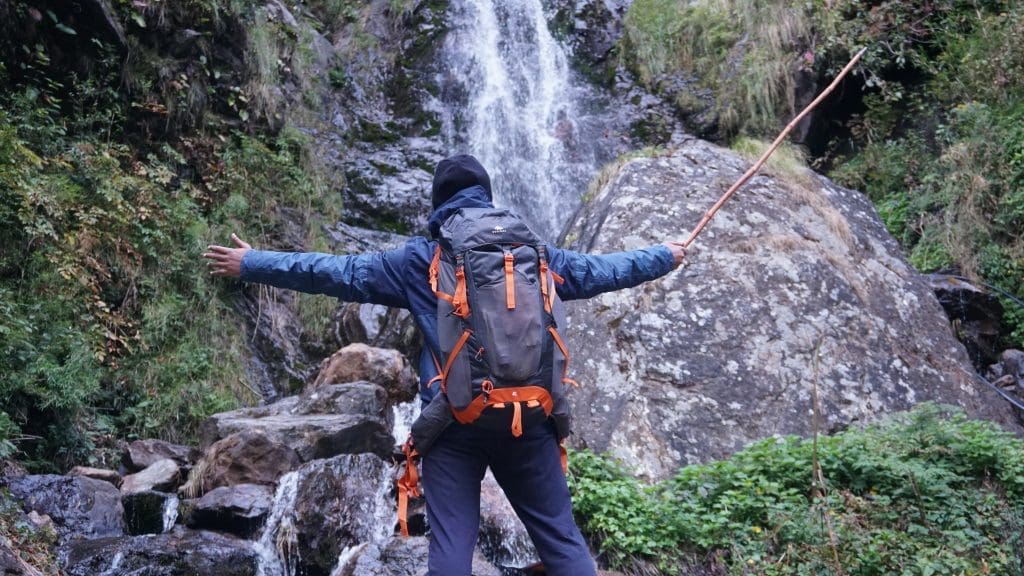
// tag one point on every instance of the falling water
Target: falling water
(276, 548)
(170, 513)
(521, 116)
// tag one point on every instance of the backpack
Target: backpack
(503, 361)
(498, 313)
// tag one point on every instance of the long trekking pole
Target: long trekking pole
(764, 157)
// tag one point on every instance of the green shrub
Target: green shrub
(926, 492)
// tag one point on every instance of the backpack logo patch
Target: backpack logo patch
(498, 230)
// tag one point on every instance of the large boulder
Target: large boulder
(162, 475)
(320, 423)
(179, 553)
(239, 509)
(246, 457)
(142, 454)
(149, 512)
(503, 537)
(383, 366)
(794, 288)
(80, 507)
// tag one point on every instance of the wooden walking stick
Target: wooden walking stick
(764, 157)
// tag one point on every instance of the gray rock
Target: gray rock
(322, 422)
(386, 367)
(977, 315)
(246, 457)
(149, 512)
(795, 284)
(179, 553)
(503, 538)
(335, 505)
(79, 507)
(239, 509)
(162, 475)
(142, 454)
(97, 474)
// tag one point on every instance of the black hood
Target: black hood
(456, 173)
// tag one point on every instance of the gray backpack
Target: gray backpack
(498, 314)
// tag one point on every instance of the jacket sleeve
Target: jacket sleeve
(588, 275)
(375, 278)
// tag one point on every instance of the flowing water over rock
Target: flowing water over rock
(522, 116)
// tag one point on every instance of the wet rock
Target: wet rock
(97, 474)
(395, 557)
(162, 475)
(976, 316)
(385, 367)
(1009, 371)
(149, 512)
(320, 423)
(142, 454)
(239, 509)
(179, 553)
(246, 457)
(503, 538)
(80, 507)
(795, 284)
(335, 504)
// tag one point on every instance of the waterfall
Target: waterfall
(508, 97)
(170, 513)
(276, 547)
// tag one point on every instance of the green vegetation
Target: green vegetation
(929, 126)
(113, 180)
(34, 545)
(926, 492)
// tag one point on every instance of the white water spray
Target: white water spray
(521, 118)
(277, 548)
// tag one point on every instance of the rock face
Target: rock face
(150, 512)
(977, 316)
(322, 422)
(795, 284)
(180, 553)
(79, 507)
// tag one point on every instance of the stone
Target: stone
(79, 507)
(246, 457)
(97, 474)
(149, 512)
(794, 286)
(179, 553)
(162, 475)
(975, 313)
(386, 367)
(394, 557)
(240, 509)
(142, 454)
(503, 538)
(320, 423)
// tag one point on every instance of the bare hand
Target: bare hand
(678, 252)
(224, 261)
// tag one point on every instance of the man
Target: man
(528, 468)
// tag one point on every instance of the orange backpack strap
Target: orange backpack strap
(530, 395)
(435, 264)
(564, 456)
(451, 358)
(408, 486)
(565, 352)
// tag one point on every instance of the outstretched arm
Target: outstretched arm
(588, 275)
(375, 278)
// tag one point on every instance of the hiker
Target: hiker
(526, 461)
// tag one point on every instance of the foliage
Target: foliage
(930, 121)
(926, 492)
(35, 546)
(109, 327)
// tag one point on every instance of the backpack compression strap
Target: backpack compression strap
(408, 486)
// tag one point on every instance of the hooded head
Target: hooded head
(457, 173)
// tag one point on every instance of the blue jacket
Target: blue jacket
(399, 277)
